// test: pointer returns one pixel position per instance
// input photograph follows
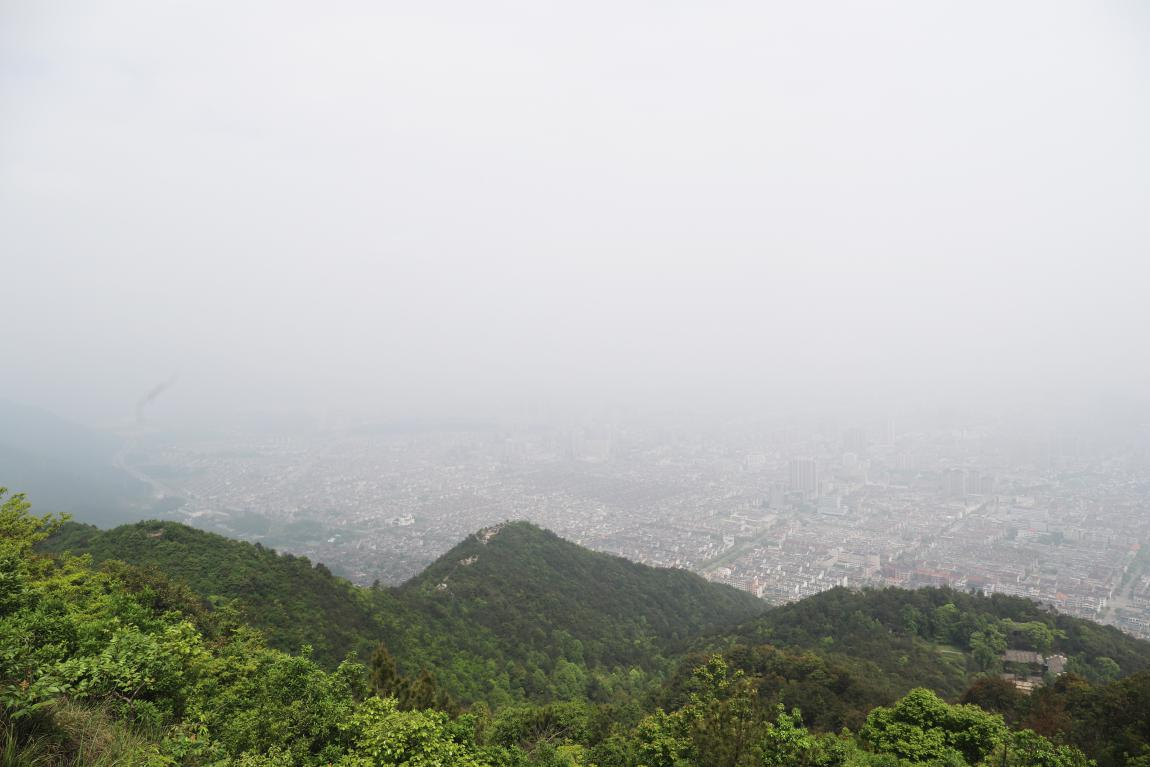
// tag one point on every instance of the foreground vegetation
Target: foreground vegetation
(523, 616)
(114, 664)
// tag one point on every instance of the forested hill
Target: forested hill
(292, 600)
(516, 614)
(531, 586)
(941, 638)
(119, 664)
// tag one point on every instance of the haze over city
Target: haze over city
(791, 296)
(641, 384)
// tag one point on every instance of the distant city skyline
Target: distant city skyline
(783, 511)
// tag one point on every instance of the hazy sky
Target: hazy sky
(441, 206)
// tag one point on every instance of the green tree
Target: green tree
(912, 619)
(922, 727)
(569, 680)
(786, 743)
(385, 678)
(718, 727)
(996, 695)
(1040, 636)
(945, 619)
(987, 646)
(1107, 669)
(1029, 749)
(381, 735)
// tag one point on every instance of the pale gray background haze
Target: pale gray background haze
(454, 207)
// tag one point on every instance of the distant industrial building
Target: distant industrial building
(805, 477)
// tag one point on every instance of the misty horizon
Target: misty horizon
(460, 212)
(516, 383)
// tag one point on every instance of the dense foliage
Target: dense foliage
(549, 599)
(530, 616)
(1109, 721)
(939, 638)
(317, 609)
(109, 663)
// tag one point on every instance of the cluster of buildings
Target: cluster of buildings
(781, 511)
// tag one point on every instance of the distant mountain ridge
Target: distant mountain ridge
(66, 467)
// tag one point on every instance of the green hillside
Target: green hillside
(516, 613)
(293, 601)
(117, 664)
(530, 587)
(840, 654)
(533, 617)
(941, 638)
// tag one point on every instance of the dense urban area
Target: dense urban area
(781, 511)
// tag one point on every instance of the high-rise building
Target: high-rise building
(805, 477)
(886, 432)
(956, 483)
(855, 441)
(978, 483)
(777, 495)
